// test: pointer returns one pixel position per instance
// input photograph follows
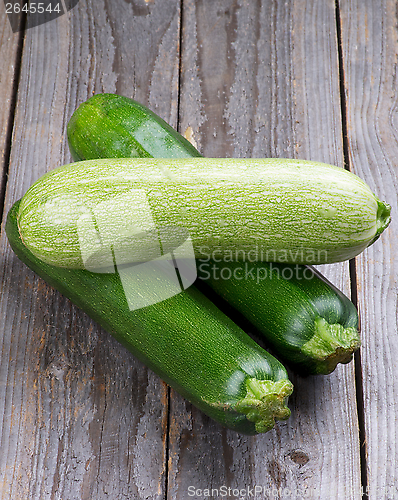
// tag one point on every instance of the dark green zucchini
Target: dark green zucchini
(309, 323)
(185, 339)
(133, 131)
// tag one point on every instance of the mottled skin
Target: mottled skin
(271, 209)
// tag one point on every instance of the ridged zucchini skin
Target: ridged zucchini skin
(185, 339)
(309, 322)
(131, 130)
(279, 210)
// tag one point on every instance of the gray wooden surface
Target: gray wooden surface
(80, 418)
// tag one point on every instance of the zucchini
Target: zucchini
(185, 339)
(309, 322)
(278, 210)
(132, 131)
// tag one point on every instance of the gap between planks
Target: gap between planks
(11, 117)
(352, 264)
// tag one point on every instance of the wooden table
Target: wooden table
(80, 418)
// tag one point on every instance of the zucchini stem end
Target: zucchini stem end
(265, 402)
(331, 344)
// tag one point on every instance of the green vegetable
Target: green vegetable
(309, 323)
(185, 339)
(270, 209)
(112, 126)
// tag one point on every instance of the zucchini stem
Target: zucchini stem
(265, 402)
(383, 218)
(331, 344)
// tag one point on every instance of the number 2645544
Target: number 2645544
(32, 8)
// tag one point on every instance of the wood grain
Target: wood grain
(261, 79)
(9, 52)
(80, 418)
(370, 48)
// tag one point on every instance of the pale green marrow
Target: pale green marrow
(277, 210)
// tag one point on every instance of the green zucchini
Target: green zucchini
(259, 209)
(185, 339)
(309, 323)
(132, 131)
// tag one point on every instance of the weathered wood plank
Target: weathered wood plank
(80, 418)
(9, 47)
(261, 79)
(370, 48)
